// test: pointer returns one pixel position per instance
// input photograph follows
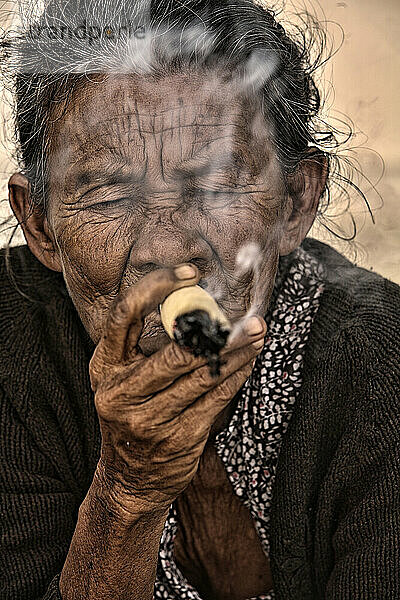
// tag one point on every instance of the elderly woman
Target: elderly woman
(164, 145)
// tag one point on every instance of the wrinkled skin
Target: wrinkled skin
(144, 177)
(161, 214)
(167, 159)
(156, 412)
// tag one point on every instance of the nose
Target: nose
(166, 246)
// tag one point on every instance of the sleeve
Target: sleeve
(366, 542)
(38, 514)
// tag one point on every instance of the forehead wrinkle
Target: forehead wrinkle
(134, 122)
(134, 114)
(114, 152)
(83, 118)
(86, 151)
(105, 134)
(83, 144)
(152, 111)
(123, 99)
(153, 129)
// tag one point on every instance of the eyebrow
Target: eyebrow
(201, 166)
(188, 169)
(88, 178)
(114, 173)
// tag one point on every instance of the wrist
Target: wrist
(121, 503)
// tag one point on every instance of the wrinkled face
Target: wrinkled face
(145, 175)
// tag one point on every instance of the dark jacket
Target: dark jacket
(335, 514)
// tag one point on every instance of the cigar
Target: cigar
(194, 320)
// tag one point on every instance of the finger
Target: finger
(126, 316)
(160, 370)
(250, 325)
(207, 408)
(186, 390)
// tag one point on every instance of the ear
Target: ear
(34, 224)
(306, 187)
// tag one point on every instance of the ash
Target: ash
(203, 336)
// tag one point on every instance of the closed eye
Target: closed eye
(218, 198)
(110, 204)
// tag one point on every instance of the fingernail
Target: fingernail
(254, 326)
(185, 272)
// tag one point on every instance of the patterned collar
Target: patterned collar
(249, 445)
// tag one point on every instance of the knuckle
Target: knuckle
(199, 428)
(164, 277)
(143, 424)
(178, 356)
(124, 307)
(95, 367)
(141, 428)
(103, 406)
(112, 404)
(226, 388)
(125, 416)
(237, 380)
(120, 312)
(97, 364)
(94, 377)
(203, 380)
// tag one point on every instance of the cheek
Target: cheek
(235, 229)
(94, 251)
(249, 288)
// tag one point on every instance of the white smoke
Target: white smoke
(259, 68)
(248, 258)
(140, 54)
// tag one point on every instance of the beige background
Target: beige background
(365, 75)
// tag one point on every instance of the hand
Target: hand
(156, 412)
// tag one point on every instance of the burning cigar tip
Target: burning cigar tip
(187, 300)
(194, 320)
